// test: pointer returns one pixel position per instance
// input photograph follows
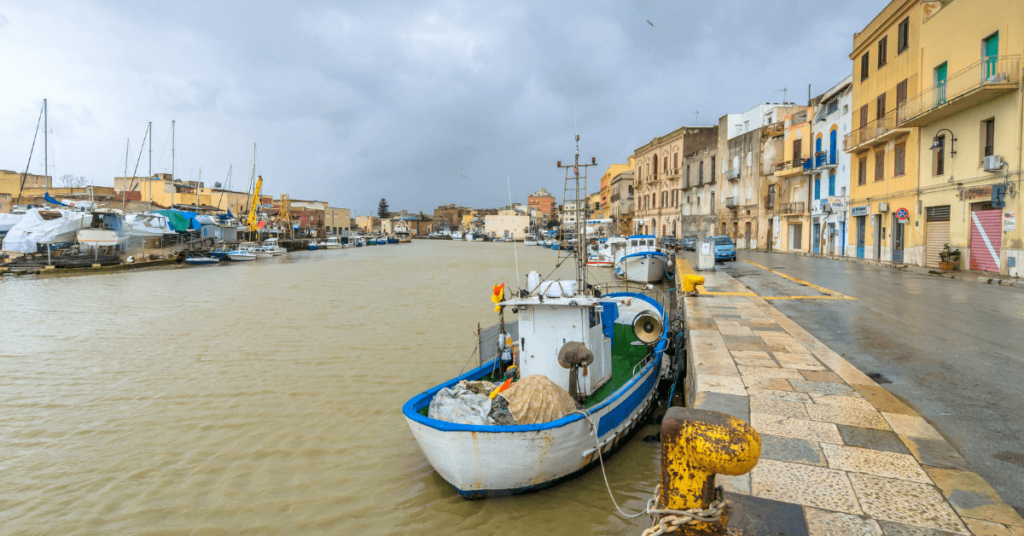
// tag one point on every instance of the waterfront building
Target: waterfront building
(830, 168)
(884, 154)
(367, 224)
(741, 213)
(657, 178)
(698, 216)
(606, 187)
(449, 216)
(544, 202)
(507, 224)
(593, 206)
(620, 199)
(336, 221)
(11, 182)
(969, 117)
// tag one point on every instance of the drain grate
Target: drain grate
(878, 377)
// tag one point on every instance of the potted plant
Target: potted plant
(949, 258)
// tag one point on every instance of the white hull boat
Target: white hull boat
(241, 255)
(332, 242)
(456, 235)
(641, 261)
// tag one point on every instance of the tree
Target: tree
(382, 208)
(70, 180)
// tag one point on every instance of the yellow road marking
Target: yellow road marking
(823, 290)
(807, 298)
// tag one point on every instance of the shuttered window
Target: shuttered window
(880, 105)
(864, 65)
(862, 171)
(880, 165)
(864, 116)
(903, 41)
(901, 94)
(883, 52)
(900, 160)
(990, 137)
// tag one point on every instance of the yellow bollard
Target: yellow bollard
(696, 445)
(690, 282)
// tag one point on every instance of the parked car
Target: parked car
(668, 242)
(689, 243)
(725, 250)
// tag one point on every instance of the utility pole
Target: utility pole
(579, 193)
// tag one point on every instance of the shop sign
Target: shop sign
(1009, 222)
(976, 192)
(859, 211)
(838, 203)
(902, 215)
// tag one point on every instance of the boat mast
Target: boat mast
(124, 191)
(578, 190)
(46, 148)
(149, 132)
(172, 164)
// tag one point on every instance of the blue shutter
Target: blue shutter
(831, 184)
(817, 188)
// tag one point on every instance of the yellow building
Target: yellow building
(883, 153)
(971, 109)
(11, 182)
(790, 227)
(605, 192)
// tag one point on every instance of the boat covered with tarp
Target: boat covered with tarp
(45, 227)
(149, 225)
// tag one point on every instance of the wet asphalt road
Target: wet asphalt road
(953, 350)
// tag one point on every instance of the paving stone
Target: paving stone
(934, 452)
(762, 372)
(973, 497)
(885, 401)
(789, 396)
(746, 361)
(734, 484)
(986, 528)
(847, 416)
(734, 331)
(755, 516)
(788, 449)
(777, 384)
(730, 385)
(869, 438)
(905, 502)
(748, 347)
(874, 462)
(824, 388)
(795, 357)
(830, 377)
(899, 529)
(796, 428)
(751, 355)
(737, 406)
(731, 340)
(851, 402)
(804, 366)
(803, 484)
(701, 326)
(774, 406)
(823, 523)
(911, 425)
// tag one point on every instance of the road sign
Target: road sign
(902, 215)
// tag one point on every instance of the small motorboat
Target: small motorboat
(195, 258)
(241, 255)
(313, 246)
(271, 246)
(332, 242)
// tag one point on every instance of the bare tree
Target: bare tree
(70, 180)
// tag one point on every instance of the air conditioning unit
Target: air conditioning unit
(883, 207)
(993, 163)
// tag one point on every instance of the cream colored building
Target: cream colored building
(507, 224)
(657, 178)
(336, 221)
(10, 182)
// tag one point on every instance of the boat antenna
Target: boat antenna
(508, 182)
(576, 192)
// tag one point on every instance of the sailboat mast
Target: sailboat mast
(124, 191)
(149, 132)
(172, 163)
(46, 148)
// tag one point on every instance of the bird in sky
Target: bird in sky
(651, 23)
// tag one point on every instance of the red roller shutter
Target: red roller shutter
(986, 239)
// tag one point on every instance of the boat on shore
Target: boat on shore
(456, 235)
(530, 240)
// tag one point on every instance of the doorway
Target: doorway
(877, 235)
(816, 237)
(746, 235)
(861, 232)
(897, 240)
(795, 232)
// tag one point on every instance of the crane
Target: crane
(251, 222)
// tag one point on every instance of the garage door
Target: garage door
(936, 234)
(986, 239)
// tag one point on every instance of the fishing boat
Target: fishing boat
(589, 356)
(107, 227)
(313, 245)
(641, 261)
(272, 246)
(392, 239)
(331, 242)
(381, 240)
(602, 253)
(259, 251)
(530, 240)
(456, 235)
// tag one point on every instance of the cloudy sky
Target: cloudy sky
(421, 102)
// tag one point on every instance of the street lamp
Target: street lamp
(937, 142)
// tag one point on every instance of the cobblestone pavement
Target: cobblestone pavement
(853, 457)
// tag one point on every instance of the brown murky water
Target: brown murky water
(263, 398)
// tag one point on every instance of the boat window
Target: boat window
(595, 318)
(633, 243)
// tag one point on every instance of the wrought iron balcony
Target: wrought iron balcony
(875, 132)
(789, 168)
(791, 208)
(981, 81)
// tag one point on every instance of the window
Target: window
(817, 187)
(900, 160)
(700, 174)
(862, 171)
(864, 61)
(712, 169)
(832, 184)
(864, 116)
(880, 165)
(797, 150)
(989, 133)
(687, 175)
(901, 94)
(940, 157)
(903, 41)
(880, 108)
(883, 44)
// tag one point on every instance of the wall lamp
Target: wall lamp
(937, 142)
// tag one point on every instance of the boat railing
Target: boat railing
(633, 287)
(643, 363)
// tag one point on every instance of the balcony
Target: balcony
(732, 202)
(874, 133)
(824, 159)
(983, 80)
(789, 168)
(791, 208)
(732, 174)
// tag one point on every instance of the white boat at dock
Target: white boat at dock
(331, 242)
(641, 261)
(456, 235)
(272, 246)
(602, 253)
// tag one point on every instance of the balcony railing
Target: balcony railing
(824, 159)
(732, 202)
(989, 71)
(791, 208)
(732, 174)
(879, 127)
(788, 165)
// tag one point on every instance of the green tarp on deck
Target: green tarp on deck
(177, 220)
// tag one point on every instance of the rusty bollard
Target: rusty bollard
(690, 282)
(696, 445)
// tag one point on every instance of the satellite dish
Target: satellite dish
(648, 327)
